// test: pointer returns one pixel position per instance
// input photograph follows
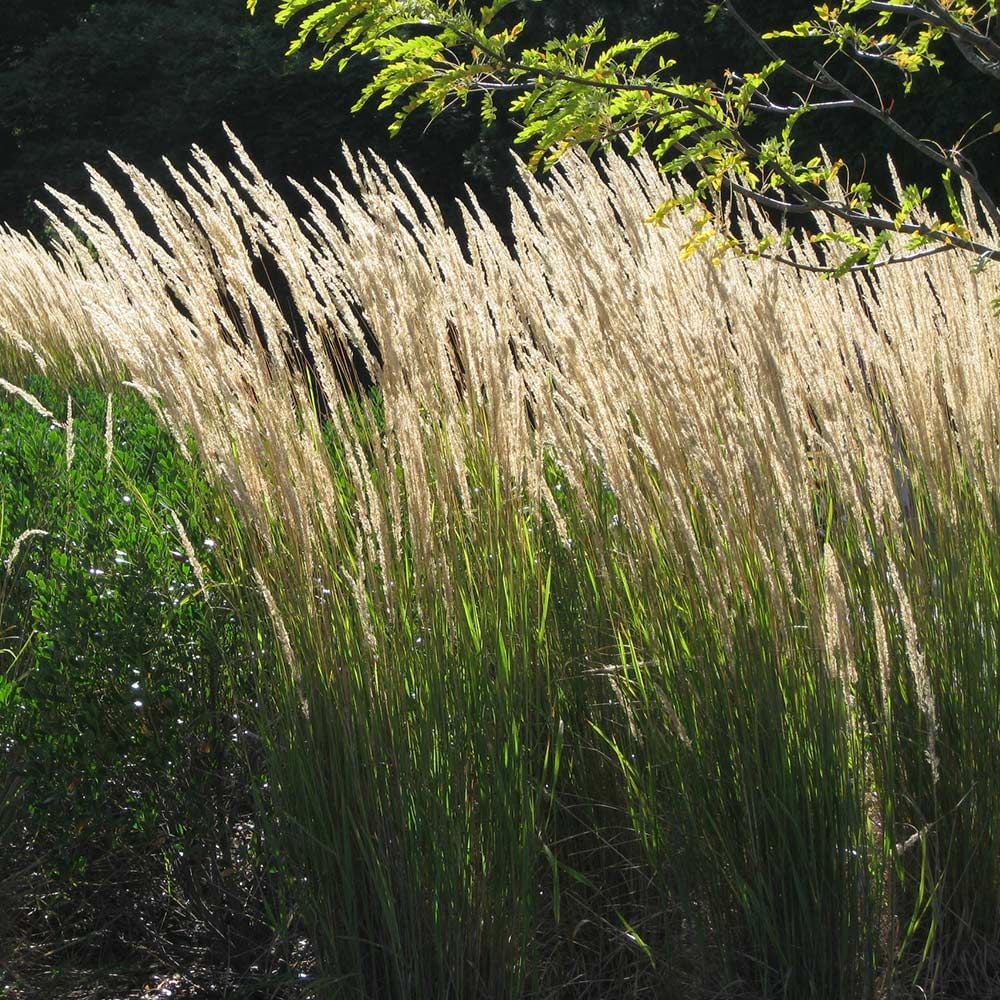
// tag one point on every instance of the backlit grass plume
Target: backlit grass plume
(638, 628)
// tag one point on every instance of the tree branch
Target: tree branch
(924, 147)
(976, 47)
(765, 104)
(859, 268)
(982, 43)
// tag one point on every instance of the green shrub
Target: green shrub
(124, 720)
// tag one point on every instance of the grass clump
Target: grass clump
(636, 633)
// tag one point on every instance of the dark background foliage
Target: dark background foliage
(147, 78)
(125, 734)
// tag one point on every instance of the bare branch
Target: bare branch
(766, 105)
(797, 265)
(990, 67)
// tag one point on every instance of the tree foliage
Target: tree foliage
(736, 136)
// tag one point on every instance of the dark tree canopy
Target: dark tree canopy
(147, 78)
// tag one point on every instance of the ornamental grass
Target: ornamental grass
(635, 620)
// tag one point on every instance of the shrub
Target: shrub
(122, 719)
